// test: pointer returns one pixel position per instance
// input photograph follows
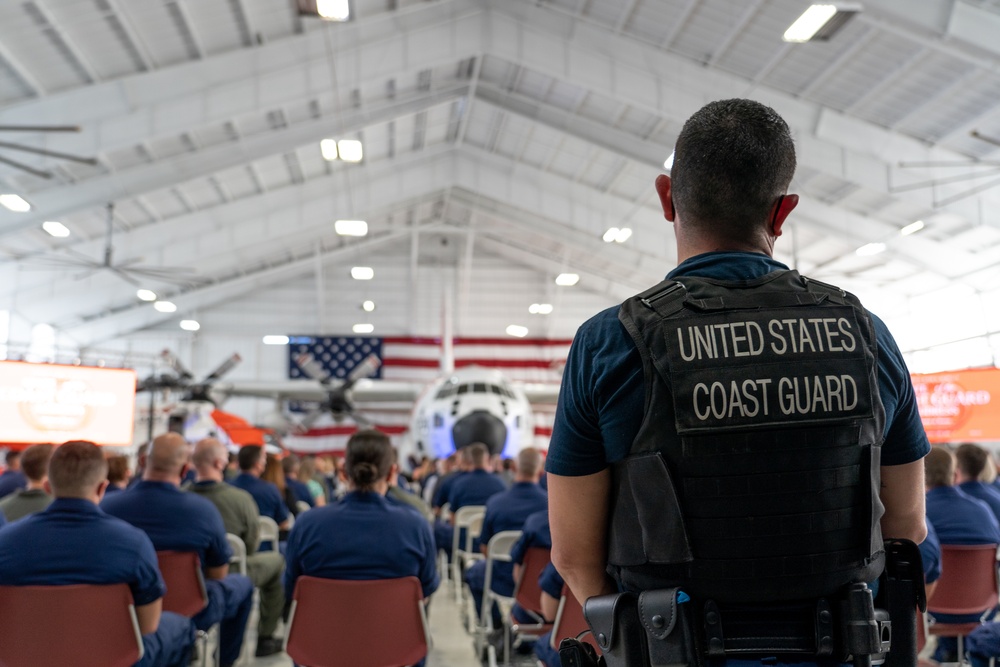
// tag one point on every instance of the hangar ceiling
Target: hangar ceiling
(501, 140)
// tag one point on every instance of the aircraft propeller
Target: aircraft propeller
(337, 402)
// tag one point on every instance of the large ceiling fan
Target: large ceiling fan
(14, 146)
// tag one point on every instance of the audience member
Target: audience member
(178, 521)
(930, 557)
(508, 510)
(34, 498)
(479, 485)
(453, 467)
(296, 489)
(309, 474)
(970, 462)
(74, 542)
(12, 479)
(401, 496)
(118, 474)
(241, 518)
(268, 498)
(375, 539)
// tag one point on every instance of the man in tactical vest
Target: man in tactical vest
(733, 445)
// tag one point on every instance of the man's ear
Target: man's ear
(785, 205)
(48, 487)
(663, 189)
(101, 488)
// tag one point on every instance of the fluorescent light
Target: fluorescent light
(328, 147)
(351, 227)
(333, 10)
(350, 150)
(14, 203)
(364, 328)
(275, 340)
(623, 235)
(146, 295)
(912, 228)
(165, 306)
(609, 236)
(668, 164)
(368, 306)
(190, 325)
(540, 308)
(567, 279)
(517, 331)
(57, 229)
(362, 273)
(870, 249)
(821, 21)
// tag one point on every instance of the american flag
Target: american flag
(418, 360)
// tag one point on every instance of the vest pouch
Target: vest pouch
(614, 621)
(666, 617)
(646, 528)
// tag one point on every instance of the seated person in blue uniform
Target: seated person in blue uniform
(364, 536)
(252, 463)
(970, 463)
(957, 519)
(474, 487)
(33, 498)
(178, 521)
(299, 490)
(508, 510)
(12, 479)
(930, 557)
(74, 542)
(118, 474)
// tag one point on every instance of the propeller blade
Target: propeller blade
(312, 368)
(309, 420)
(367, 368)
(227, 365)
(175, 363)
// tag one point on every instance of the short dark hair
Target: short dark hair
(35, 461)
(969, 458)
(732, 160)
(249, 456)
(369, 458)
(117, 469)
(11, 456)
(939, 467)
(76, 468)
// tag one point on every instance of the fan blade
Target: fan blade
(24, 167)
(312, 368)
(43, 151)
(39, 128)
(227, 365)
(171, 360)
(124, 276)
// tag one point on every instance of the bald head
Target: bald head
(529, 464)
(210, 460)
(167, 457)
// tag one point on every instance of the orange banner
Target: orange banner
(958, 406)
(52, 403)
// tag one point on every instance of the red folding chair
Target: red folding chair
(82, 625)
(376, 623)
(527, 592)
(186, 592)
(570, 622)
(968, 586)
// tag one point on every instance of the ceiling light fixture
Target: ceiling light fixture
(623, 235)
(330, 10)
(364, 328)
(190, 325)
(820, 22)
(56, 229)
(567, 279)
(362, 273)
(146, 295)
(870, 249)
(540, 308)
(368, 306)
(165, 306)
(351, 227)
(912, 228)
(609, 236)
(328, 148)
(275, 339)
(14, 203)
(517, 331)
(350, 150)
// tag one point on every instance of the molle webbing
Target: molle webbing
(749, 375)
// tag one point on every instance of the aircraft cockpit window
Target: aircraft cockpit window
(479, 388)
(495, 390)
(463, 389)
(507, 392)
(445, 391)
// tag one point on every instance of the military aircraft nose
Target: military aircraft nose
(480, 426)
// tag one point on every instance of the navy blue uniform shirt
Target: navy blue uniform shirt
(360, 538)
(301, 491)
(11, 481)
(173, 519)
(535, 533)
(602, 396)
(961, 519)
(985, 492)
(930, 555)
(509, 509)
(74, 542)
(268, 497)
(443, 487)
(474, 488)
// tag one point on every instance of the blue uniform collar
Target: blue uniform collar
(365, 498)
(73, 506)
(728, 266)
(944, 491)
(165, 486)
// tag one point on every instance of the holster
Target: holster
(902, 593)
(651, 630)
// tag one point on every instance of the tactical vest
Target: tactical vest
(769, 490)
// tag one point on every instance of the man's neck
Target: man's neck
(152, 476)
(208, 476)
(36, 486)
(251, 472)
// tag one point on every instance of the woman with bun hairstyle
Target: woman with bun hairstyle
(363, 536)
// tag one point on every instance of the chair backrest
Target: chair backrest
(474, 530)
(82, 625)
(527, 591)
(570, 621)
(186, 594)
(464, 518)
(269, 531)
(239, 549)
(378, 623)
(968, 583)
